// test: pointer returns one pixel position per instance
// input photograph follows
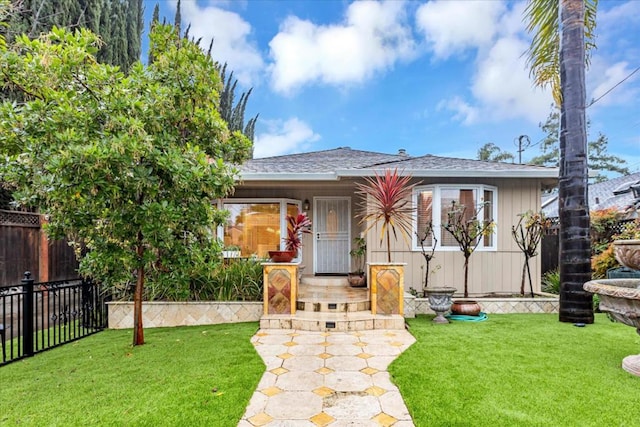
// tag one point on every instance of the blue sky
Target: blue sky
(437, 77)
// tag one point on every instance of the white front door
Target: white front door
(332, 234)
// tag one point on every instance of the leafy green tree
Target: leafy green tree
(599, 159)
(492, 153)
(118, 22)
(126, 165)
(562, 39)
(232, 114)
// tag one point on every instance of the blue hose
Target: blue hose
(464, 318)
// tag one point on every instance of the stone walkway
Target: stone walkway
(328, 379)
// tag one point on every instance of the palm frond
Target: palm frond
(543, 55)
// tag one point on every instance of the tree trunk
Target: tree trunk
(466, 277)
(388, 245)
(524, 269)
(575, 254)
(138, 331)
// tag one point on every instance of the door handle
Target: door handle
(317, 236)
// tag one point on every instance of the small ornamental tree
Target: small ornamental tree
(467, 230)
(126, 166)
(527, 233)
(387, 200)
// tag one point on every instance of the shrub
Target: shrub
(606, 259)
(551, 282)
(239, 280)
(603, 262)
(603, 228)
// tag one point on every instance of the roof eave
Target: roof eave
(447, 173)
(286, 176)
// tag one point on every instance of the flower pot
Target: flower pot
(466, 307)
(440, 301)
(282, 256)
(357, 280)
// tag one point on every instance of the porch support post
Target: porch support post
(387, 288)
(280, 287)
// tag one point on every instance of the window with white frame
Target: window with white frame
(433, 203)
(256, 226)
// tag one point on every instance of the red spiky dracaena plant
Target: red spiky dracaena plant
(387, 200)
(296, 225)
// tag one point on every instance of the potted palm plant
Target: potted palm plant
(358, 278)
(387, 202)
(296, 225)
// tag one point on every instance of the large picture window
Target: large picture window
(257, 226)
(433, 203)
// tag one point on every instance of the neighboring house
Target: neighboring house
(621, 193)
(324, 183)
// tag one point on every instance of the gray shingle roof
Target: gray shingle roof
(601, 195)
(344, 161)
(318, 161)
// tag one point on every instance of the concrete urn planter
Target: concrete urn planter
(440, 300)
(620, 298)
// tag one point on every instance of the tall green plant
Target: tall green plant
(127, 165)
(562, 38)
(387, 200)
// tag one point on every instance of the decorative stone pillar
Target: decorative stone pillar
(387, 287)
(280, 287)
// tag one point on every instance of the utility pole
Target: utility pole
(523, 143)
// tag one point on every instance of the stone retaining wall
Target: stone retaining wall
(161, 314)
(539, 304)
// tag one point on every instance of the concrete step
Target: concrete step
(319, 321)
(324, 280)
(332, 298)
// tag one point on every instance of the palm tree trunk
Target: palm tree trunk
(575, 267)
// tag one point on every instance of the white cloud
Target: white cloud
(500, 87)
(451, 27)
(503, 87)
(286, 137)
(231, 35)
(606, 77)
(464, 112)
(373, 36)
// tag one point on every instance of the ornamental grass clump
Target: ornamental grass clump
(387, 200)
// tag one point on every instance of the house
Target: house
(621, 193)
(323, 184)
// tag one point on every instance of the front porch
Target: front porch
(321, 303)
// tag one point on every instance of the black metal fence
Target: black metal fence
(38, 316)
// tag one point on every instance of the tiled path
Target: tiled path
(328, 379)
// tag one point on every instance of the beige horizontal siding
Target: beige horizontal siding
(490, 271)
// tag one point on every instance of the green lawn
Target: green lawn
(512, 370)
(186, 376)
(519, 370)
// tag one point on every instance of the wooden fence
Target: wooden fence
(24, 247)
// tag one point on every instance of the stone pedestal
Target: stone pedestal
(387, 288)
(280, 287)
